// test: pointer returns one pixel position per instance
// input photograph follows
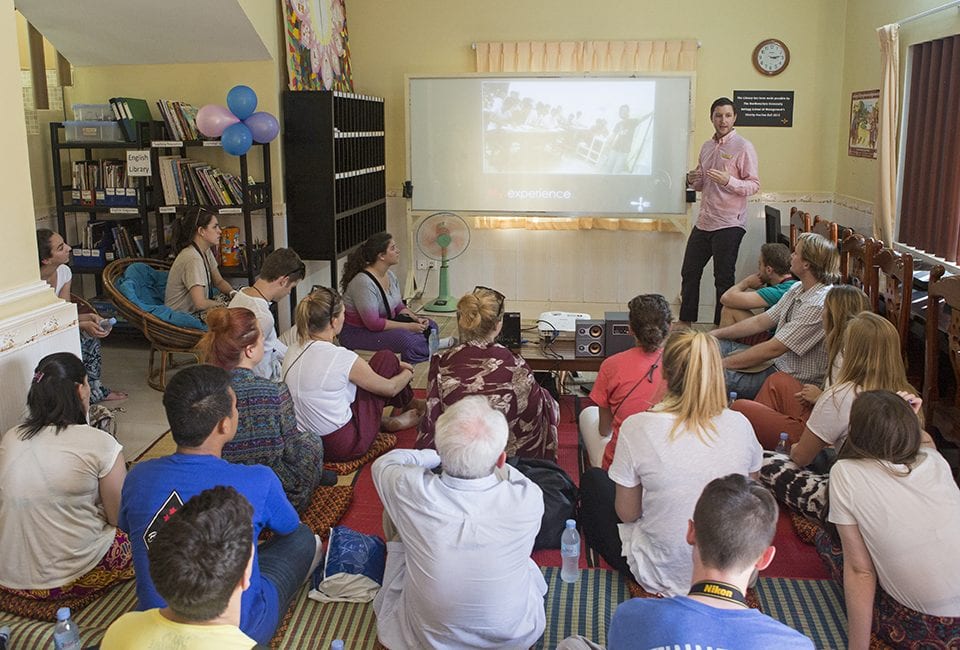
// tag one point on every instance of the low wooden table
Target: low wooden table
(540, 358)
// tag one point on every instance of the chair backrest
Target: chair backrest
(825, 228)
(799, 223)
(857, 266)
(895, 282)
(940, 290)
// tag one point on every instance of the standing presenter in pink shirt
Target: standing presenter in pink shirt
(726, 174)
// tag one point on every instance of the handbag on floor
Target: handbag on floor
(559, 497)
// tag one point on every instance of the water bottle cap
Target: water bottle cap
(112, 320)
(571, 523)
(733, 393)
(63, 613)
(784, 435)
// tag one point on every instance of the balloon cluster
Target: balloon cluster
(237, 126)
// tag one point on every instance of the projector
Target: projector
(561, 321)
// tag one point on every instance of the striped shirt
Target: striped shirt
(725, 206)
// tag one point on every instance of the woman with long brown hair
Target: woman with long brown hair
(896, 509)
(376, 316)
(664, 458)
(194, 273)
(267, 432)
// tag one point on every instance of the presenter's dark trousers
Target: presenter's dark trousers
(723, 246)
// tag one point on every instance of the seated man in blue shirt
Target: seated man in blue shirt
(202, 411)
(733, 524)
(759, 290)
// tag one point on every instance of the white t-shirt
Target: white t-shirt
(52, 526)
(830, 418)
(64, 275)
(318, 375)
(273, 349)
(673, 474)
(910, 525)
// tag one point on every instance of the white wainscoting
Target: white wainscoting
(24, 340)
(592, 266)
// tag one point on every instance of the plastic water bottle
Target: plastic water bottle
(733, 398)
(107, 324)
(336, 644)
(783, 446)
(66, 635)
(570, 550)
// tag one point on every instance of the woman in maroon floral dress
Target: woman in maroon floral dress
(479, 366)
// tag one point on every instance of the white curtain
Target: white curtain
(885, 210)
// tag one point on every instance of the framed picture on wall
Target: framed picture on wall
(318, 53)
(864, 116)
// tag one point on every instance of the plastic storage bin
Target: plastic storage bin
(93, 131)
(95, 112)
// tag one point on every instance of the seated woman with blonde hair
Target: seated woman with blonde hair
(481, 366)
(60, 483)
(871, 361)
(336, 394)
(783, 404)
(636, 516)
(267, 432)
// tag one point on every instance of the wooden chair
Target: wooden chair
(857, 266)
(826, 229)
(165, 338)
(895, 281)
(939, 413)
(799, 222)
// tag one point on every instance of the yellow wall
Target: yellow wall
(857, 177)
(390, 39)
(20, 250)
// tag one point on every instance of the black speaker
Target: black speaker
(589, 339)
(510, 332)
(617, 332)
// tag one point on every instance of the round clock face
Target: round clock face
(771, 57)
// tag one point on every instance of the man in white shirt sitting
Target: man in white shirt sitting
(459, 573)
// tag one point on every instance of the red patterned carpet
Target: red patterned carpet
(794, 558)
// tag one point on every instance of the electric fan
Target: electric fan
(443, 236)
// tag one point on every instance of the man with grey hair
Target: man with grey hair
(459, 572)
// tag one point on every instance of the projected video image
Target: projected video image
(559, 127)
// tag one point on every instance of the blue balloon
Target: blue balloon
(242, 101)
(236, 139)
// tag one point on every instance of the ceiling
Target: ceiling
(143, 32)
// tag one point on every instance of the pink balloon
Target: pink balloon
(212, 119)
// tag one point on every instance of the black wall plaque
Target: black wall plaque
(764, 107)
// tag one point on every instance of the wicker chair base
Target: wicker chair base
(157, 373)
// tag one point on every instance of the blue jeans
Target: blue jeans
(285, 561)
(745, 384)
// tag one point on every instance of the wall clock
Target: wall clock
(771, 57)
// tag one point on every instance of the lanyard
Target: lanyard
(719, 590)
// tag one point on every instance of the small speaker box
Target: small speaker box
(510, 332)
(589, 339)
(618, 336)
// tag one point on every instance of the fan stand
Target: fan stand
(444, 303)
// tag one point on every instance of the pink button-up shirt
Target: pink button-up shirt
(724, 206)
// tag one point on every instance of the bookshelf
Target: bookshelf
(253, 197)
(334, 172)
(130, 211)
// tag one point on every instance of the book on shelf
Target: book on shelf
(180, 119)
(102, 182)
(191, 182)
